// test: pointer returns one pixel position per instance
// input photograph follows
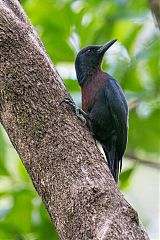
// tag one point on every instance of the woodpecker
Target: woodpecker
(104, 105)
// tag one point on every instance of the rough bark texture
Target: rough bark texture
(61, 157)
(155, 7)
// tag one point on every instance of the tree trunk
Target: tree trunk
(155, 7)
(60, 155)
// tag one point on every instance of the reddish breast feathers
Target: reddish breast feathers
(90, 89)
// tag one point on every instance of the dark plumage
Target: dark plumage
(104, 103)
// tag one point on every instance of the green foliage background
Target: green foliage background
(65, 26)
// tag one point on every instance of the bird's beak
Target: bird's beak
(106, 46)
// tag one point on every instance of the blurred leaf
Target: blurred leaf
(124, 178)
(3, 149)
(72, 85)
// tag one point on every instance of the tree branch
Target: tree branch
(66, 167)
(132, 104)
(134, 158)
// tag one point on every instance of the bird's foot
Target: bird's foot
(79, 112)
(80, 116)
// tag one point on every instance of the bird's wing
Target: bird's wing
(119, 112)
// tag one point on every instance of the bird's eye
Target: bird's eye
(88, 51)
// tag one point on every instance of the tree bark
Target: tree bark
(60, 155)
(155, 7)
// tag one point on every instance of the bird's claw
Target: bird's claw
(78, 111)
(68, 101)
(80, 116)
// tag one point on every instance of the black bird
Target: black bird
(104, 105)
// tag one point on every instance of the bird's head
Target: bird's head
(89, 60)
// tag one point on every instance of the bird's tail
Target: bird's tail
(113, 161)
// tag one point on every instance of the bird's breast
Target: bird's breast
(90, 89)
